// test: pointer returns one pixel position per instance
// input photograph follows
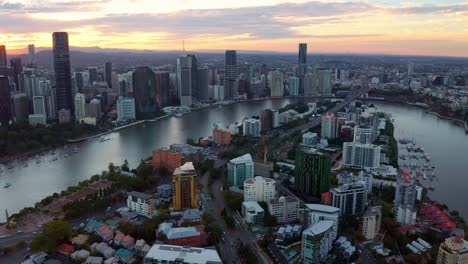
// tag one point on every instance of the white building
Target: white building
(317, 241)
(285, 209)
(324, 82)
(310, 139)
(360, 156)
(314, 213)
(367, 177)
(371, 222)
(405, 198)
(275, 118)
(350, 198)
(364, 135)
(39, 106)
(276, 83)
(80, 106)
(405, 215)
(252, 212)
(142, 203)
(163, 253)
(329, 126)
(35, 120)
(251, 127)
(259, 189)
(293, 86)
(126, 109)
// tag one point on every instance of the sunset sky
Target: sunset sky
(419, 27)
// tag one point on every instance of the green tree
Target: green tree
(54, 233)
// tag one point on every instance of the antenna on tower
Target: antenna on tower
(183, 46)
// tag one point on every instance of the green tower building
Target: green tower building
(312, 172)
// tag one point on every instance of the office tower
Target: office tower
(31, 55)
(17, 66)
(144, 90)
(293, 86)
(108, 73)
(62, 71)
(312, 175)
(93, 75)
(324, 82)
(3, 56)
(266, 119)
(360, 156)
(310, 84)
(284, 209)
(275, 118)
(51, 101)
(329, 126)
(259, 189)
(162, 89)
(203, 80)
(93, 109)
(302, 67)
(405, 197)
(231, 73)
(79, 82)
(317, 241)
(64, 116)
(39, 106)
(126, 109)
(185, 85)
(371, 222)
(5, 101)
(80, 106)
(277, 85)
(20, 107)
(350, 198)
(364, 134)
(410, 68)
(251, 127)
(184, 187)
(454, 250)
(239, 170)
(314, 213)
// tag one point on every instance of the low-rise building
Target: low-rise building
(252, 212)
(123, 240)
(142, 203)
(187, 236)
(178, 254)
(285, 209)
(164, 191)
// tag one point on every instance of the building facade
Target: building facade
(371, 222)
(313, 174)
(240, 169)
(126, 109)
(62, 71)
(184, 187)
(259, 189)
(360, 156)
(350, 198)
(454, 250)
(285, 209)
(317, 241)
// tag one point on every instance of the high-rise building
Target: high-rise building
(371, 222)
(79, 82)
(284, 209)
(185, 79)
(31, 55)
(231, 73)
(3, 56)
(5, 101)
(17, 66)
(80, 106)
(266, 119)
(410, 68)
(302, 58)
(277, 84)
(251, 127)
(324, 82)
(203, 81)
(93, 75)
(293, 86)
(144, 90)
(259, 189)
(314, 213)
(162, 89)
(454, 250)
(317, 241)
(360, 156)
(184, 187)
(310, 84)
(350, 198)
(405, 198)
(39, 106)
(20, 107)
(108, 73)
(312, 175)
(240, 169)
(364, 134)
(126, 109)
(329, 126)
(62, 70)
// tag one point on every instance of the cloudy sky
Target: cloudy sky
(420, 27)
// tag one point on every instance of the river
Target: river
(446, 143)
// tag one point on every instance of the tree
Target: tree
(124, 166)
(54, 233)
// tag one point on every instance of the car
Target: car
(19, 231)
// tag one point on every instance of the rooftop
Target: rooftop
(244, 158)
(319, 228)
(187, 168)
(322, 208)
(253, 205)
(183, 254)
(144, 196)
(180, 232)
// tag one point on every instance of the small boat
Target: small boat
(103, 139)
(424, 176)
(25, 165)
(54, 159)
(10, 167)
(75, 150)
(178, 115)
(38, 161)
(7, 185)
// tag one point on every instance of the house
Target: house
(139, 244)
(94, 260)
(103, 249)
(80, 239)
(65, 249)
(39, 257)
(92, 225)
(112, 223)
(123, 240)
(124, 256)
(80, 255)
(111, 260)
(105, 232)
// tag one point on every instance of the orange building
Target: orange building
(165, 158)
(221, 137)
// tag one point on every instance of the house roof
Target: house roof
(181, 232)
(65, 248)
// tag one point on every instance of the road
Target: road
(231, 237)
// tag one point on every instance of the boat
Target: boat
(75, 150)
(10, 167)
(178, 115)
(54, 159)
(25, 165)
(38, 161)
(424, 176)
(103, 139)
(7, 185)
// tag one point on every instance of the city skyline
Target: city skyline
(390, 27)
